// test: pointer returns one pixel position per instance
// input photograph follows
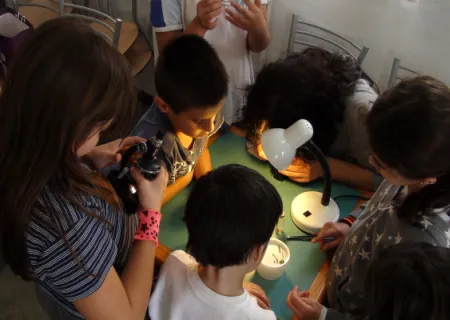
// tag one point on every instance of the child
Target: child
(408, 281)
(230, 216)
(61, 224)
(233, 28)
(329, 90)
(191, 84)
(408, 129)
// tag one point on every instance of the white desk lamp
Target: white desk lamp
(309, 210)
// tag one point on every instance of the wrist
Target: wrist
(196, 27)
(148, 229)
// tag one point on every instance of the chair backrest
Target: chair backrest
(398, 73)
(104, 24)
(305, 34)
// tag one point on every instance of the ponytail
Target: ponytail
(424, 202)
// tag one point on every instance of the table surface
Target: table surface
(306, 258)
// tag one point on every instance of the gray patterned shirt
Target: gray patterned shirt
(376, 228)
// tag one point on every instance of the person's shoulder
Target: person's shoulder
(152, 121)
(179, 260)
(254, 312)
(362, 99)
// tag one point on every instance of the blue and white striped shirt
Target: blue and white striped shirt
(72, 264)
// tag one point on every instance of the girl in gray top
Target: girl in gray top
(330, 91)
(409, 130)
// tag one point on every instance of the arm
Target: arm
(258, 40)
(162, 38)
(359, 178)
(177, 186)
(203, 165)
(127, 297)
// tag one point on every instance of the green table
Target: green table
(306, 258)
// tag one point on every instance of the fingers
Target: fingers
(137, 176)
(258, 3)
(327, 230)
(325, 246)
(297, 174)
(128, 142)
(235, 19)
(243, 11)
(259, 294)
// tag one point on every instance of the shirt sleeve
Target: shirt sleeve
(75, 267)
(165, 15)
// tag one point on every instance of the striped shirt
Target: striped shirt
(72, 264)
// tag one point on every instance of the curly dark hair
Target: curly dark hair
(311, 85)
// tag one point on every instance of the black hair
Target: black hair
(409, 130)
(409, 281)
(230, 211)
(189, 74)
(311, 85)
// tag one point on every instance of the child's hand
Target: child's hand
(207, 13)
(303, 171)
(257, 292)
(302, 306)
(251, 19)
(336, 230)
(108, 154)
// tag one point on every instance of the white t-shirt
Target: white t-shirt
(181, 294)
(229, 41)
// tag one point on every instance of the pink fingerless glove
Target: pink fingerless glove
(148, 229)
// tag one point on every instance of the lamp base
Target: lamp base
(308, 213)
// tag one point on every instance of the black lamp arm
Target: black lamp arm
(318, 154)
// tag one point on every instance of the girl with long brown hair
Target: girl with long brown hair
(61, 223)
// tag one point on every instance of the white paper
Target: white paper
(11, 26)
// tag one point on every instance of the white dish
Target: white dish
(275, 260)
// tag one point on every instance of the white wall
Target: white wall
(417, 33)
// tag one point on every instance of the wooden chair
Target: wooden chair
(399, 73)
(129, 37)
(305, 34)
(39, 11)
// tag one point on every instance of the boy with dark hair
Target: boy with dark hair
(230, 216)
(191, 84)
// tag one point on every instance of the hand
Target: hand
(207, 13)
(302, 306)
(256, 291)
(303, 171)
(336, 230)
(108, 154)
(150, 193)
(251, 19)
(260, 153)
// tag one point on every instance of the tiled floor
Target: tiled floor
(17, 298)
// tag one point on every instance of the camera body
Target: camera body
(148, 158)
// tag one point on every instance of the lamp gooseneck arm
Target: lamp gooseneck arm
(318, 154)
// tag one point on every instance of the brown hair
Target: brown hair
(64, 81)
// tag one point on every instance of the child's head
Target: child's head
(192, 84)
(409, 281)
(65, 85)
(230, 216)
(312, 85)
(409, 130)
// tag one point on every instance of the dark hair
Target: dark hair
(409, 281)
(230, 211)
(189, 74)
(312, 85)
(409, 130)
(64, 81)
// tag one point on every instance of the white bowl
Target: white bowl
(275, 260)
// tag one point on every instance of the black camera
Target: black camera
(149, 161)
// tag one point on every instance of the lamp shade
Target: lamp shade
(280, 145)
